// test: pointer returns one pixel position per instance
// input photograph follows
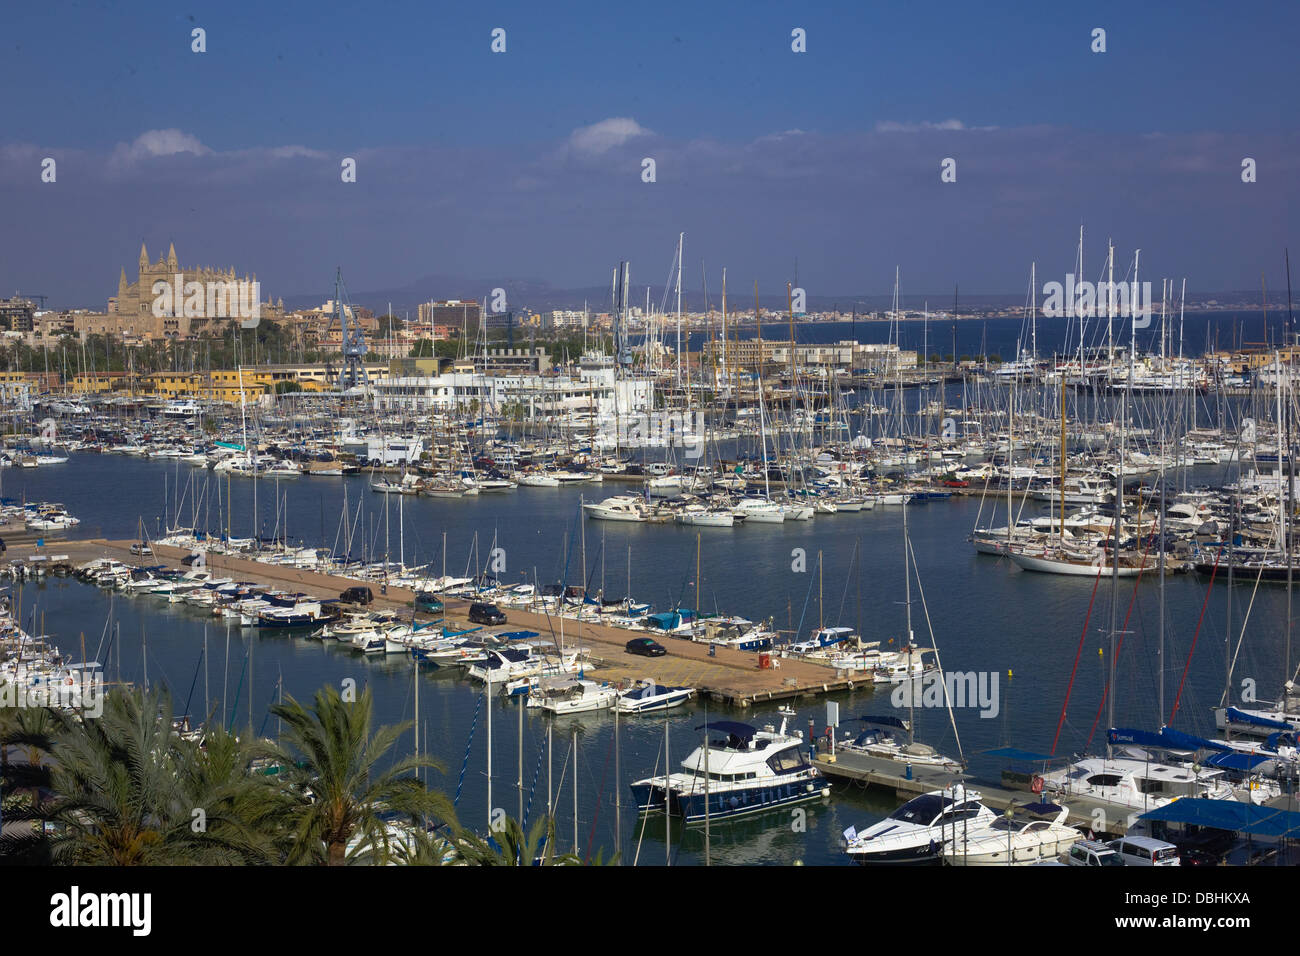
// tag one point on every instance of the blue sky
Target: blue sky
(527, 164)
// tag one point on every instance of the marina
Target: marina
(371, 494)
(826, 665)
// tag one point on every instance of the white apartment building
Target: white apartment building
(594, 393)
(561, 319)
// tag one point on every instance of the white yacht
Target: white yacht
(907, 664)
(706, 517)
(510, 663)
(648, 697)
(536, 479)
(617, 508)
(881, 738)
(664, 486)
(748, 771)
(284, 468)
(759, 511)
(571, 695)
(1130, 781)
(917, 831)
(1034, 832)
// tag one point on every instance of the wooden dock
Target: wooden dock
(727, 676)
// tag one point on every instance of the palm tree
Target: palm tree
(342, 799)
(426, 846)
(508, 846)
(239, 806)
(22, 782)
(30, 731)
(130, 791)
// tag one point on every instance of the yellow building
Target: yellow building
(218, 386)
(98, 382)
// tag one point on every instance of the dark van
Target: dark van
(357, 595)
(486, 614)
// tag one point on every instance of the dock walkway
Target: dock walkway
(728, 676)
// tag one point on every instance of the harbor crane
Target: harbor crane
(353, 338)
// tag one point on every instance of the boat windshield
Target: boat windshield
(923, 809)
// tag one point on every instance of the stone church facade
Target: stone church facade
(133, 307)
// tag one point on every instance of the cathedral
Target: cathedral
(133, 306)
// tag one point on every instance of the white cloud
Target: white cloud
(160, 142)
(295, 152)
(605, 135)
(890, 126)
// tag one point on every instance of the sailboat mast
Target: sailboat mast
(911, 652)
(1287, 503)
(681, 238)
(1114, 555)
(789, 304)
(697, 576)
(1160, 650)
(1110, 303)
(1062, 387)
(1033, 310)
(726, 373)
(668, 802)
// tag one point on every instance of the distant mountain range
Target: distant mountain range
(541, 296)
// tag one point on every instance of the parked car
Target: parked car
(645, 647)
(430, 603)
(141, 548)
(1145, 851)
(1205, 848)
(1092, 853)
(486, 614)
(357, 595)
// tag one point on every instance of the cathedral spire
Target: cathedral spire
(144, 258)
(171, 257)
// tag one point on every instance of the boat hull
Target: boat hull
(1056, 566)
(729, 804)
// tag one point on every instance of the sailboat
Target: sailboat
(1283, 716)
(881, 738)
(1133, 778)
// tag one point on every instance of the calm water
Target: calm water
(1199, 331)
(986, 615)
